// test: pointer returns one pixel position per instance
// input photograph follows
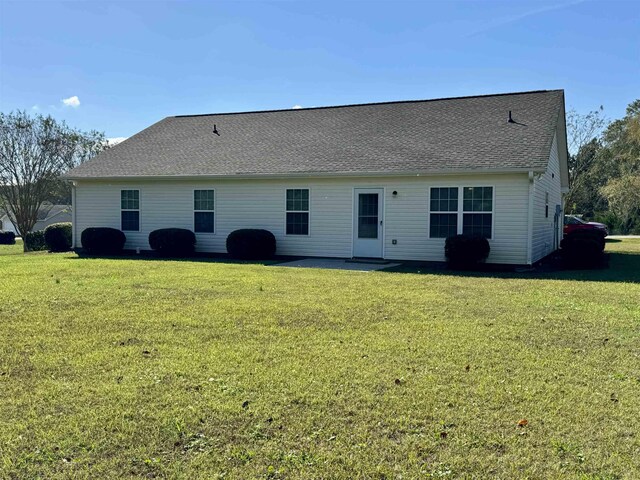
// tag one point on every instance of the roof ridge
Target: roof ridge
(528, 92)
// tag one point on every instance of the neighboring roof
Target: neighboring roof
(48, 211)
(57, 214)
(48, 214)
(454, 134)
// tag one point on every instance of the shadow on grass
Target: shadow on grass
(197, 258)
(616, 267)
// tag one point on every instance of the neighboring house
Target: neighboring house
(47, 214)
(5, 223)
(387, 180)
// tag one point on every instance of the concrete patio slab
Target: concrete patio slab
(335, 264)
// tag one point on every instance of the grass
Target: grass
(177, 369)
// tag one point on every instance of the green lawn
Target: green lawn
(200, 369)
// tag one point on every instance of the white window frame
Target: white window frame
(215, 217)
(461, 212)
(131, 209)
(308, 212)
(450, 212)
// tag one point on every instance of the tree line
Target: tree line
(604, 168)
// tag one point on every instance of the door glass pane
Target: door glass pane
(367, 215)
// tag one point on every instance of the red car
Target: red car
(573, 223)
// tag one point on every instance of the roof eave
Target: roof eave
(258, 176)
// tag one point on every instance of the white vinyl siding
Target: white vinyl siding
(259, 204)
(544, 240)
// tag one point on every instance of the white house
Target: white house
(47, 215)
(389, 180)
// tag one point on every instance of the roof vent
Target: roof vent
(511, 120)
(215, 130)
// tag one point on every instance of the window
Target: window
(448, 204)
(546, 204)
(443, 219)
(367, 215)
(477, 205)
(130, 210)
(297, 211)
(203, 215)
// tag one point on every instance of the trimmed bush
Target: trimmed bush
(582, 249)
(466, 251)
(35, 241)
(173, 242)
(103, 240)
(251, 244)
(58, 237)
(7, 238)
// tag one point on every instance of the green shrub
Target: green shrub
(103, 240)
(7, 238)
(466, 251)
(582, 249)
(34, 241)
(58, 237)
(611, 220)
(251, 244)
(173, 242)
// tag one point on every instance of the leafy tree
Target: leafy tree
(34, 151)
(623, 195)
(622, 152)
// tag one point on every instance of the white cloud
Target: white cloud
(115, 140)
(297, 107)
(71, 101)
(35, 108)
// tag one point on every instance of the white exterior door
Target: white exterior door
(368, 222)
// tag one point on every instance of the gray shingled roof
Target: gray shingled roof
(456, 134)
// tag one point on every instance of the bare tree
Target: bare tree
(34, 151)
(582, 129)
(583, 140)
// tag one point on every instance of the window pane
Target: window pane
(478, 199)
(130, 221)
(203, 222)
(477, 224)
(298, 199)
(130, 199)
(203, 200)
(298, 223)
(368, 204)
(368, 227)
(443, 225)
(444, 199)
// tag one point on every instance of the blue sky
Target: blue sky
(132, 63)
